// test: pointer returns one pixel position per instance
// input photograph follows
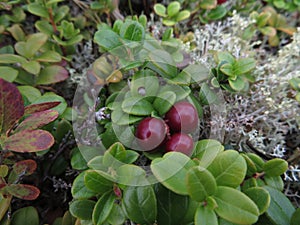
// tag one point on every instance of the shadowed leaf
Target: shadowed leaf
(23, 191)
(37, 120)
(34, 108)
(11, 105)
(29, 141)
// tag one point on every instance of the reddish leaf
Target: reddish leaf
(23, 191)
(11, 105)
(25, 166)
(29, 141)
(37, 120)
(34, 108)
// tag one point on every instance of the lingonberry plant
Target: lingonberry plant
(183, 112)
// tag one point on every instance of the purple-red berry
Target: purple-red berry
(151, 132)
(180, 142)
(182, 117)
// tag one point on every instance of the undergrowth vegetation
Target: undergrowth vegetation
(149, 112)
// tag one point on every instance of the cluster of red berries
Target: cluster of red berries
(172, 133)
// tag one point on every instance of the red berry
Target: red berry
(221, 2)
(151, 132)
(182, 117)
(180, 142)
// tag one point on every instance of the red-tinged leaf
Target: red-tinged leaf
(25, 166)
(29, 141)
(37, 120)
(34, 108)
(11, 105)
(52, 74)
(23, 191)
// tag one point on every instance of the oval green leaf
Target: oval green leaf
(28, 214)
(139, 204)
(164, 101)
(79, 190)
(96, 182)
(275, 167)
(205, 216)
(137, 106)
(229, 168)
(200, 183)
(235, 206)
(260, 197)
(82, 209)
(171, 171)
(103, 208)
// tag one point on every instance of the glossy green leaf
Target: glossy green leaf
(116, 154)
(183, 15)
(251, 167)
(49, 56)
(77, 160)
(225, 57)
(169, 22)
(52, 74)
(260, 197)
(28, 214)
(79, 190)
(96, 182)
(275, 167)
(82, 209)
(258, 161)
(131, 175)
(238, 84)
(244, 65)
(29, 141)
(162, 63)
(139, 204)
(164, 101)
(133, 31)
(8, 73)
(160, 10)
(10, 58)
(38, 10)
(11, 107)
(117, 216)
(173, 8)
(200, 183)
(229, 168)
(217, 13)
(30, 47)
(30, 92)
(235, 206)
(171, 171)
(281, 209)
(171, 207)
(205, 216)
(103, 208)
(274, 182)
(32, 67)
(295, 220)
(119, 117)
(107, 39)
(17, 32)
(206, 151)
(137, 106)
